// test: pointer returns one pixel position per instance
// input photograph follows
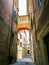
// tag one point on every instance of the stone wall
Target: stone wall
(8, 51)
(5, 20)
(4, 42)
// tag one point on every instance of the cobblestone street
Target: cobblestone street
(24, 61)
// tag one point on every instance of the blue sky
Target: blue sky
(22, 7)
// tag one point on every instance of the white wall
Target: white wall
(23, 42)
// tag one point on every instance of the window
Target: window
(20, 36)
(22, 20)
(20, 44)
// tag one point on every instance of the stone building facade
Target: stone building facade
(22, 50)
(5, 30)
(40, 31)
(31, 35)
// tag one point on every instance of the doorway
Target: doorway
(28, 51)
(46, 40)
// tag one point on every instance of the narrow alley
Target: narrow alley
(25, 61)
(24, 32)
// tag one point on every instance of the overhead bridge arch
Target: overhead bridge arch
(24, 26)
(23, 23)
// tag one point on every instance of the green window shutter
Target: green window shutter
(28, 16)
(16, 18)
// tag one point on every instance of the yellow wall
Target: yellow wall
(28, 5)
(25, 25)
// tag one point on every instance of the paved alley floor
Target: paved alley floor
(24, 61)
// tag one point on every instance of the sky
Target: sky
(23, 11)
(22, 7)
